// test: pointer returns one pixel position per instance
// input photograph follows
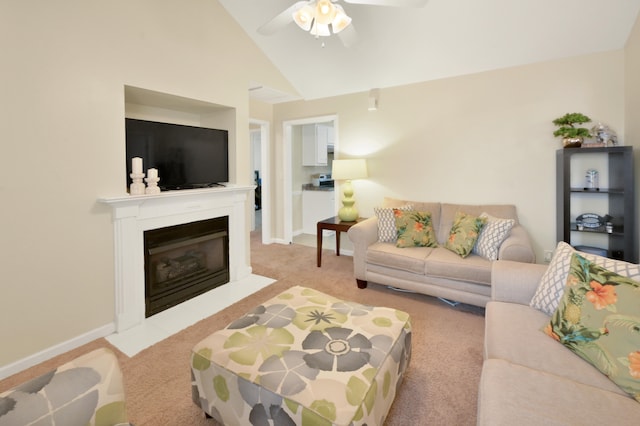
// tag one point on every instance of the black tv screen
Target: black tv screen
(186, 157)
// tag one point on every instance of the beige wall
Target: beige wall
(261, 110)
(65, 66)
(482, 138)
(632, 104)
(479, 138)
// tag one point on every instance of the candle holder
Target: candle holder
(152, 185)
(137, 187)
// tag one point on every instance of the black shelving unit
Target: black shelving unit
(621, 243)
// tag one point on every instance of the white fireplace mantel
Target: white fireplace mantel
(134, 214)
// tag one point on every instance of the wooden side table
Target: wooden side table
(333, 224)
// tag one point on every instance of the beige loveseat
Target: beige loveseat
(435, 271)
(528, 378)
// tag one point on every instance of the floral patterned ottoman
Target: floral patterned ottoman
(303, 358)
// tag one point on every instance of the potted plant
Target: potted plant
(571, 135)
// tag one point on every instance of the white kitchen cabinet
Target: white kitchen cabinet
(316, 206)
(316, 139)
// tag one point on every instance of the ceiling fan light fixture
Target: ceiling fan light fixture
(320, 30)
(304, 17)
(340, 21)
(325, 11)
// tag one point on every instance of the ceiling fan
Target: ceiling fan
(322, 17)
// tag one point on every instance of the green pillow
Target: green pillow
(415, 229)
(598, 318)
(464, 233)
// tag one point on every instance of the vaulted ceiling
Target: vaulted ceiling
(444, 38)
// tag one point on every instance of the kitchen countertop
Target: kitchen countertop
(310, 187)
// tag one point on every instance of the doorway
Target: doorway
(260, 163)
(288, 189)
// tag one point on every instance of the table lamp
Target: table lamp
(348, 170)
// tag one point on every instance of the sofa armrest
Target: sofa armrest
(517, 246)
(515, 282)
(362, 235)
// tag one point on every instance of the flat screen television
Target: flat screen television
(186, 156)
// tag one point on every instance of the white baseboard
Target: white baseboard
(344, 252)
(279, 241)
(46, 354)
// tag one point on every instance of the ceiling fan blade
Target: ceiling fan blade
(282, 19)
(348, 36)
(393, 3)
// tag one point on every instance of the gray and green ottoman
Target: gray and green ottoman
(303, 358)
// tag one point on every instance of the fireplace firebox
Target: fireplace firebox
(183, 261)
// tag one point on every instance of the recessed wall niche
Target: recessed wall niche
(145, 104)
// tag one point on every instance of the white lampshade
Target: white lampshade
(304, 17)
(325, 12)
(319, 29)
(341, 21)
(349, 169)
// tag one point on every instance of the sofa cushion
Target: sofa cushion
(464, 233)
(492, 235)
(387, 222)
(409, 259)
(598, 319)
(553, 281)
(414, 229)
(512, 332)
(443, 263)
(512, 394)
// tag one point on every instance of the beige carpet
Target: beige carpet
(441, 383)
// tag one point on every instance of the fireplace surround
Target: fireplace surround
(133, 215)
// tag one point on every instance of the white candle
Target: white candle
(152, 173)
(136, 165)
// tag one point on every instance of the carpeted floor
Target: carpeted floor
(441, 383)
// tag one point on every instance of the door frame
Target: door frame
(265, 161)
(288, 167)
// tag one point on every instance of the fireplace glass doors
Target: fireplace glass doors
(183, 261)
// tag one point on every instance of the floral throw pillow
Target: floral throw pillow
(551, 288)
(415, 229)
(598, 318)
(464, 233)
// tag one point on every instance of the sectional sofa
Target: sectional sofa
(531, 378)
(435, 271)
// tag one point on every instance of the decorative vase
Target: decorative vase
(572, 142)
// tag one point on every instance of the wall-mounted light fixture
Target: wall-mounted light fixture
(374, 96)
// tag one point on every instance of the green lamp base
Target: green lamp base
(348, 214)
